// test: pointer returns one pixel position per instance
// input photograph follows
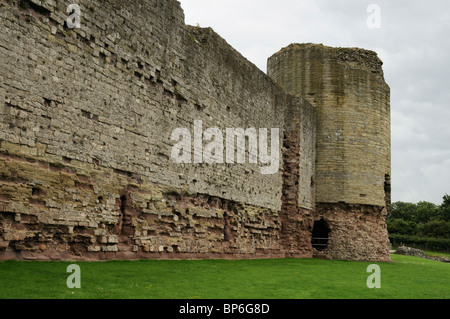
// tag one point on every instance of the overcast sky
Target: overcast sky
(413, 40)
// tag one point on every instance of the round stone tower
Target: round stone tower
(352, 180)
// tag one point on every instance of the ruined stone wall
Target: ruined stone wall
(352, 174)
(86, 117)
(352, 103)
(297, 218)
(358, 232)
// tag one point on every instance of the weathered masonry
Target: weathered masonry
(86, 118)
(352, 173)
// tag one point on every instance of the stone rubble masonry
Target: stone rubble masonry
(353, 163)
(86, 117)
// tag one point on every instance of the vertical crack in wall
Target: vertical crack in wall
(227, 236)
(290, 212)
(122, 218)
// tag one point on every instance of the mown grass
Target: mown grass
(404, 278)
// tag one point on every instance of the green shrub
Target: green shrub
(402, 227)
(438, 244)
(436, 229)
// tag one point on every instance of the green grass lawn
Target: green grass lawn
(404, 278)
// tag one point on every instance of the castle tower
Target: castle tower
(352, 180)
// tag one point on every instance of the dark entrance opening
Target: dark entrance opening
(320, 234)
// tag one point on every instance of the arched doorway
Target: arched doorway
(320, 235)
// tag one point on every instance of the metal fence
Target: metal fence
(319, 243)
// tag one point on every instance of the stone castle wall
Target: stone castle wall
(86, 123)
(85, 140)
(352, 103)
(353, 163)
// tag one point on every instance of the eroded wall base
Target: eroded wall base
(56, 208)
(357, 232)
(62, 209)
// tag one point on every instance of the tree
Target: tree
(445, 208)
(422, 212)
(402, 210)
(425, 212)
(402, 227)
(436, 229)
